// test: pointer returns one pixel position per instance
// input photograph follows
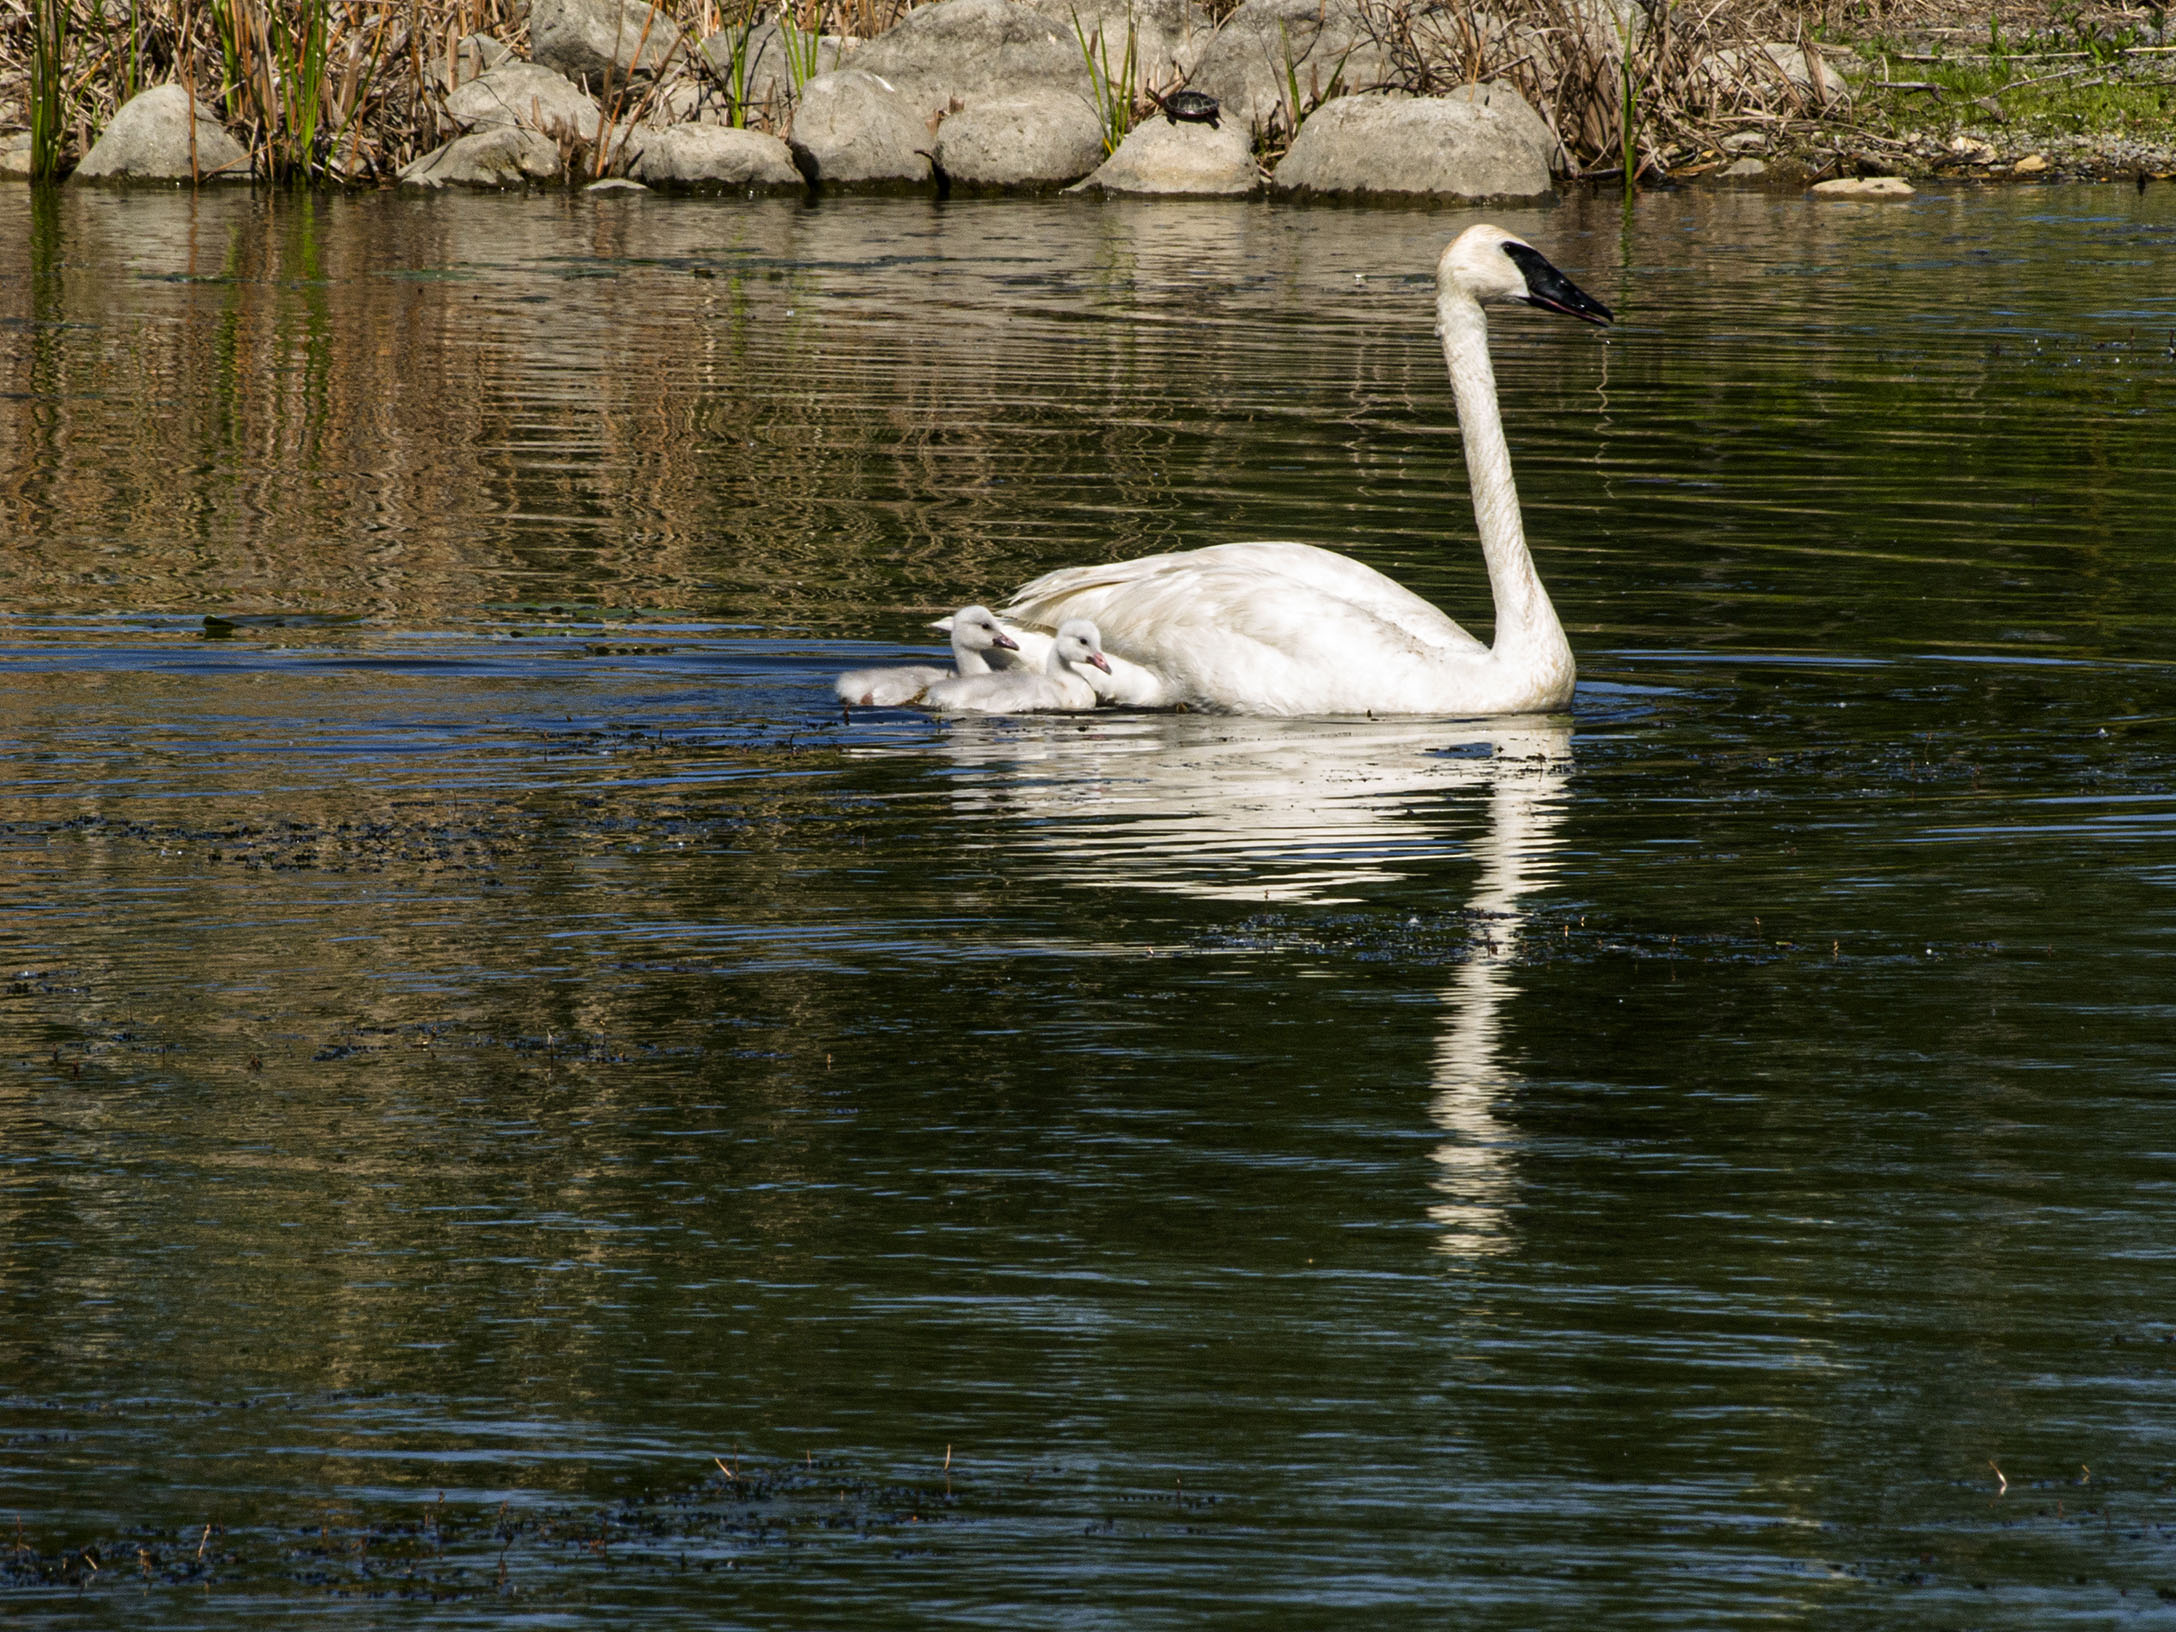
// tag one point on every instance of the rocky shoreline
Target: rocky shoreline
(1291, 98)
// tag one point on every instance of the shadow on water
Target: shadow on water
(513, 1109)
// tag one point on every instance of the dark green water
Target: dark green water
(481, 1043)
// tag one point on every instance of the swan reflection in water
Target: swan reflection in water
(1309, 812)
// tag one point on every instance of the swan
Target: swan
(1061, 686)
(1289, 629)
(974, 630)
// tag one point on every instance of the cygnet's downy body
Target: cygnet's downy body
(1070, 680)
(975, 634)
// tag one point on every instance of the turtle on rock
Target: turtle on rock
(1195, 107)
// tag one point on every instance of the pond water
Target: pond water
(511, 1111)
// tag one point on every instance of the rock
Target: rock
(712, 156)
(1159, 156)
(1864, 187)
(1043, 138)
(1168, 35)
(1744, 170)
(1480, 141)
(1607, 24)
(15, 157)
(956, 52)
(521, 93)
(2030, 165)
(148, 140)
(766, 81)
(852, 128)
(1769, 73)
(473, 54)
(1978, 152)
(615, 184)
(589, 40)
(1326, 43)
(1744, 141)
(503, 156)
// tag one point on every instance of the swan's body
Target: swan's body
(975, 634)
(1276, 628)
(1062, 685)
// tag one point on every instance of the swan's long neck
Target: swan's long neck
(966, 659)
(1526, 624)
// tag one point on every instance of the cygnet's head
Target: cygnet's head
(1489, 264)
(1079, 642)
(976, 629)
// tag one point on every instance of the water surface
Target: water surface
(512, 1110)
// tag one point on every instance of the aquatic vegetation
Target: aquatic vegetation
(1114, 92)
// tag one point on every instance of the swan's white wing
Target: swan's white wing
(1264, 628)
(1087, 592)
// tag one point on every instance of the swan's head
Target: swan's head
(1080, 642)
(976, 629)
(1488, 264)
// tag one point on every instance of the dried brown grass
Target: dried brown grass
(378, 97)
(1648, 85)
(1644, 80)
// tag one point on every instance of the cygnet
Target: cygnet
(975, 631)
(1063, 686)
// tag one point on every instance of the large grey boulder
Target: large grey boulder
(148, 140)
(712, 156)
(523, 94)
(1608, 24)
(591, 40)
(1772, 74)
(1480, 141)
(953, 53)
(473, 54)
(764, 79)
(503, 156)
(1325, 44)
(1168, 35)
(1043, 138)
(1159, 156)
(853, 128)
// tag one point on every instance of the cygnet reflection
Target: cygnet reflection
(1310, 812)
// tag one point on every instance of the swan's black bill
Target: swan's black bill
(1551, 290)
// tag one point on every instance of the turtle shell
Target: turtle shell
(1195, 107)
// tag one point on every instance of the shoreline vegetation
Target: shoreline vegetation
(365, 93)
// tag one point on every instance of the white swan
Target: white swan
(975, 632)
(1061, 686)
(1277, 628)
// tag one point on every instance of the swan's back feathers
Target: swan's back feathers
(1085, 592)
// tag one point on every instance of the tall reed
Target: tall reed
(1113, 93)
(804, 47)
(48, 60)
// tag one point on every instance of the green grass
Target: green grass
(2132, 97)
